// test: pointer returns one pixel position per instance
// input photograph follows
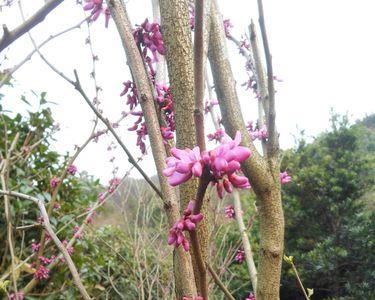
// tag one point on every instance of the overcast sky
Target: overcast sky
(323, 50)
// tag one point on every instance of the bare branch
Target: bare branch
(219, 283)
(9, 73)
(10, 36)
(273, 139)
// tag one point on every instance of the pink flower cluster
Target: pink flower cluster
(285, 178)
(240, 256)
(149, 37)
(223, 162)
(132, 94)
(251, 296)
(78, 234)
(256, 133)
(96, 7)
(188, 222)
(216, 136)
(54, 182)
(17, 296)
(41, 273)
(113, 184)
(45, 260)
(70, 249)
(227, 26)
(35, 247)
(229, 211)
(72, 169)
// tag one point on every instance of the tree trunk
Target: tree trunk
(179, 54)
(263, 173)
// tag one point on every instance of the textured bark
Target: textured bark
(263, 174)
(183, 269)
(179, 54)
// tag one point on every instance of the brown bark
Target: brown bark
(179, 55)
(183, 275)
(263, 174)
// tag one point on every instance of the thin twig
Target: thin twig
(219, 283)
(272, 144)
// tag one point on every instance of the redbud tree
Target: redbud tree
(172, 61)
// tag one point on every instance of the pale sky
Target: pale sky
(323, 50)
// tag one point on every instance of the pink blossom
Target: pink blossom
(256, 133)
(47, 237)
(251, 296)
(96, 7)
(285, 178)
(70, 249)
(101, 197)
(56, 206)
(17, 296)
(113, 184)
(227, 25)
(149, 37)
(35, 247)
(72, 169)
(188, 222)
(45, 260)
(182, 165)
(54, 182)
(41, 273)
(77, 233)
(229, 211)
(240, 256)
(216, 135)
(223, 162)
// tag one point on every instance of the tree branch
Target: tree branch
(10, 36)
(199, 66)
(273, 139)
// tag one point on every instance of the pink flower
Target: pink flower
(41, 273)
(229, 211)
(217, 136)
(72, 169)
(285, 178)
(223, 163)
(45, 260)
(56, 206)
(187, 223)
(149, 37)
(256, 133)
(35, 247)
(227, 25)
(54, 182)
(240, 256)
(70, 249)
(17, 296)
(251, 296)
(101, 197)
(77, 233)
(47, 237)
(96, 7)
(183, 165)
(113, 184)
